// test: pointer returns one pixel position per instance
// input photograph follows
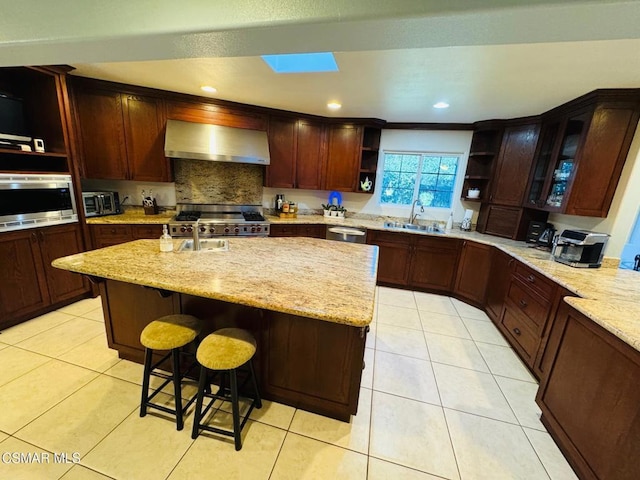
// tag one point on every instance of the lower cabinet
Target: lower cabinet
(590, 397)
(107, 235)
(28, 282)
(473, 272)
(298, 230)
(394, 256)
(434, 262)
(500, 277)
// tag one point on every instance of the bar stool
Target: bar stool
(171, 332)
(225, 351)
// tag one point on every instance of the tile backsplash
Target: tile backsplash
(201, 181)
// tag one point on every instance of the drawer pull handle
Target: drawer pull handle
(523, 303)
(531, 279)
(517, 331)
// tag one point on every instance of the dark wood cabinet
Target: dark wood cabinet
(191, 110)
(583, 147)
(499, 279)
(343, 157)
(121, 135)
(297, 149)
(298, 230)
(28, 282)
(507, 221)
(434, 262)
(107, 235)
(144, 134)
(514, 162)
(42, 91)
(394, 256)
(101, 133)
(473, 272)
(527, 307)
(590, 398)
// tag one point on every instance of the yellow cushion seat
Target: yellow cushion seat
(170, 331)
(226, 349)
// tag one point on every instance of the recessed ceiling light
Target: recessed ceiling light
(441, 105)
(208, 89)
(334, 105)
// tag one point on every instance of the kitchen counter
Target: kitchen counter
(608, 296)
(299, 276)
(133, 215)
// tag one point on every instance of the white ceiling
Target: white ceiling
(396, 59)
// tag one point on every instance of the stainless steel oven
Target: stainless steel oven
(35, 200)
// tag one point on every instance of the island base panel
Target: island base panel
(302, 362)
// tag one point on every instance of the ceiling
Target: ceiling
(396, 59)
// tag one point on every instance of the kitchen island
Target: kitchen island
(308, 302)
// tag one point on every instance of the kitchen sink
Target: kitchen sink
(206, 245)
(413, 226)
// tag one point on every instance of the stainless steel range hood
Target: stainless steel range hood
(202, 141)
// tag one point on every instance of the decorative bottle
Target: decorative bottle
(166, 243)
(449, 222)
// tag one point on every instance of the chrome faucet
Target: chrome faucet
(196, 236)
(412, 217)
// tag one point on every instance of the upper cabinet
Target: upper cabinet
(514, 163)
(582, 150)
(343, 157)
(368, 159)
(298, 150)
(121, 135)
(34, 106)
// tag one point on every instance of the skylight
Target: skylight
(302, 62)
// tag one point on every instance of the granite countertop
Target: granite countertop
(608, 296)
(300, 276)
(134, 215)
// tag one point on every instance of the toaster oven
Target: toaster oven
(100, 203)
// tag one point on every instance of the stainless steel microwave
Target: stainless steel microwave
(35, 200)
(101, 203)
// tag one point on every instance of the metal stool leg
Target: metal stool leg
(199, 400)
(235, 409)
(148, 356)
(177, 388)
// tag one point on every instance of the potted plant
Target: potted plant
(329, 209)
(341, 211)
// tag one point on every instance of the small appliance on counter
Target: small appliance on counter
(101, 203)
(466, 220)
(580, 248)
(541, 234)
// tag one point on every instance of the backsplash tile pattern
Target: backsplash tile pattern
(201, 181)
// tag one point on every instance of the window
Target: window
(427, 177)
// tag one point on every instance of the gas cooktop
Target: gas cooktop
(219, 220)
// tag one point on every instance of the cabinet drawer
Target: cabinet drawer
(518, 331)
(314, 231)
(112, 231)
(534, 307)
(284, 230)
(146, 231)
(535, 280)
(389, 237)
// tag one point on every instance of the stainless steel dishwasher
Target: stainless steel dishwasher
(347, 234)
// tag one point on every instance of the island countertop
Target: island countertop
(300, 276)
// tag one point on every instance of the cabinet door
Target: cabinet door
(56, 242)
(394, 256)
(102, 136)
(514, 163)
(500, 275)
(434, 263)
(537, 192)
(343, 157)
(281, 172)
(144, 133)
(473, 272)
(310, 155)
(23, 286)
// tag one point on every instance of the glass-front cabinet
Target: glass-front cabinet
(555, 163)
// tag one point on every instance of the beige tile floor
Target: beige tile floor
(443, 396)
